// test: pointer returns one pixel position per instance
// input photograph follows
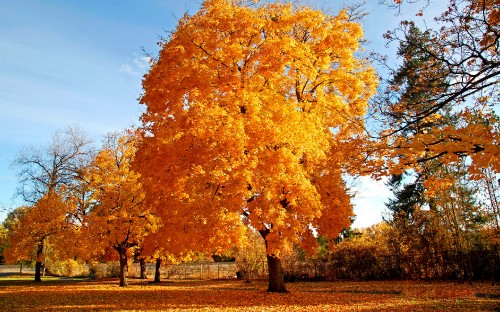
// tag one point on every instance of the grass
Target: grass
(231, 295)
(29, 278)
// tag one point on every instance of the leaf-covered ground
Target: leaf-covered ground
(71, 295)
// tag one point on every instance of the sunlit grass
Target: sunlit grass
(65, 295)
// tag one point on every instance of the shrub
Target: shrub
(68, 268)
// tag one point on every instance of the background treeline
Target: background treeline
(386, 251)
(449, 232)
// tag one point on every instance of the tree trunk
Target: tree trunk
(38, 265)
(157, 270)
(274, 268)
(122, 251)
(142, 263)
(276, 276)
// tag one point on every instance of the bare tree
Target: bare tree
(55, 165)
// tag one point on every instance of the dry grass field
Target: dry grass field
(232, 295)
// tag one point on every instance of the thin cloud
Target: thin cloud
(370, 188)
(137, 67)
(143, 62)
(126, 68)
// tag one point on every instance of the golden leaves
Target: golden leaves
(45, 220)
(473, 134)
(119, 214)
(240, 107)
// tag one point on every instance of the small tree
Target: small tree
(118, 218)
(43, 221)
(47, 175)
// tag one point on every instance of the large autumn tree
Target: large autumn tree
(251, 114)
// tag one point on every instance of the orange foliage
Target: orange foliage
(250, 115)
(475, 134)
(43, 221)
(119, 217)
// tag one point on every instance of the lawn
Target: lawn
(233, 295)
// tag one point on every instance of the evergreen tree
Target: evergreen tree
(406, 195)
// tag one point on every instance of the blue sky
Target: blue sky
(67, 62)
